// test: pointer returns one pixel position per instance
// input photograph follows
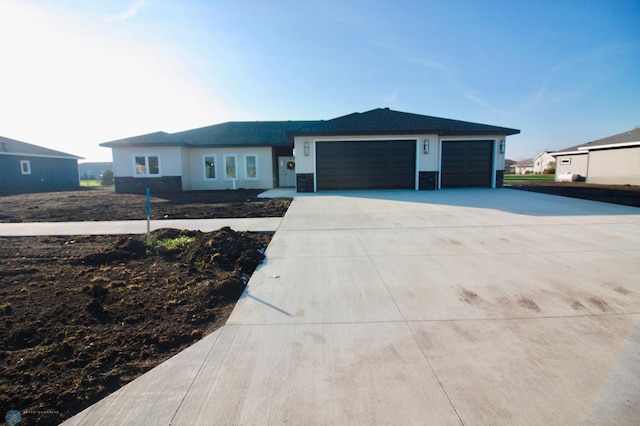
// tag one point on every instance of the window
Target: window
(565, 161)
(209, 164)
(146, 165)
(251, 167)
(230, 167)
(25, 167)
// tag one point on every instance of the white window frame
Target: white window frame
(22, 168)
(224, 166)
(146, 165)
(565, 161)
(216, 171)
(246, 169)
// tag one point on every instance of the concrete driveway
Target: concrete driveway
(402, 307)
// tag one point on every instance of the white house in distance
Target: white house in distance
(377, 149)
(611, 160)
(535, 165)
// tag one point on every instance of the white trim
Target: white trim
(612, 145)
(146, 165)
(246, 169)
(216, 171)
(224, 167)
(22, 164)
(565, 161)
(559, 154)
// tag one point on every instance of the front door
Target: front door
(287, 172)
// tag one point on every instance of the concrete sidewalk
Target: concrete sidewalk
(29, 229)
(446, 307)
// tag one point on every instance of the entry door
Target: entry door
(286, 173)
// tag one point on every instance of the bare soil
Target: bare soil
(80, 317)
(628, 195)
(97, 204)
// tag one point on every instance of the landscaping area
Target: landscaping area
(628, 195)
(80, 316)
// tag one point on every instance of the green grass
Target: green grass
(181, 242)
(90, 183)
(528, 178)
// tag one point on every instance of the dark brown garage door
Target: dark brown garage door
(467, 163)
(365, 165)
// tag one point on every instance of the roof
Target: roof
(389, 122)
(280, 133)
(230, 134)
(14, 147)
(524, 163)
(630, 138)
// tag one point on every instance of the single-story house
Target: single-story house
(524, 167)
(30, 168)
(378, 149)
(611, 160)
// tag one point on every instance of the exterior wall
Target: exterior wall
(46, 174)
(620, 166)
(195, 171)
(578, 166)
(541, 162)
(169, 179)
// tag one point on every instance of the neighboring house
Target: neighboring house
(30, 168)
(509, 166)
(378, 149)
(536, 165)
(92, 171)
(611, 160)
(524, 167)
(542, 162)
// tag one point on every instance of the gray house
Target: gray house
(611, 160)
(378, 149)
(30, 168)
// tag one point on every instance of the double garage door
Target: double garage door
(391, 164)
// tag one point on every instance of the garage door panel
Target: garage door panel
(365, 165)
(467, 163)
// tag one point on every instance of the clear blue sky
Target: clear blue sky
(79, 72)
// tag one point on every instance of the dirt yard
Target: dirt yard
(628, 195)
(80, 317)
(95, 204)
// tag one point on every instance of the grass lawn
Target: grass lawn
(528, 178)
(90, 183)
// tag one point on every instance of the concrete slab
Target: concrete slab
(446, 307)
(27, 229)
(317, 374)
(546, 371)
(153, 398)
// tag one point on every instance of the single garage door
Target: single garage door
(389, 164)
(467, 163)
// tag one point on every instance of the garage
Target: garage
(383, 164)
(467, 163)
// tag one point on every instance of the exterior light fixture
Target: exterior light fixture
(502, 146)
(426, 146)
(307, 151)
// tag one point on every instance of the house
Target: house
(611, 160)
(509, 166)
(536, 165)
(92, 171)
(524, 167)
(378, 149)
(30, 168)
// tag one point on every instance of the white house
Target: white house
(611, 160)
(378, 149)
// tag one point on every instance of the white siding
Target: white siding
(170, 160)
(615, 166)
(578, 164)
(195, 170)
